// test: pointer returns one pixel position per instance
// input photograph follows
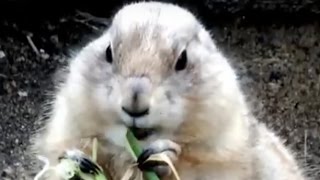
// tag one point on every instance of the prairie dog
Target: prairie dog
(156, 69)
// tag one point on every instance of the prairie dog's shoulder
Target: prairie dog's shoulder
(272, 158)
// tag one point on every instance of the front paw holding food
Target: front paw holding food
(169, 148)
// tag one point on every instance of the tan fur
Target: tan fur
(202, 108)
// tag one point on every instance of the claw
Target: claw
(170, 149)
(149, 165)
(76, 177)
(87, 166)
(145, 155)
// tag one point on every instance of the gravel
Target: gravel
(278, 66)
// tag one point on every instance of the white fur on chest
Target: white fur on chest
(117, 135)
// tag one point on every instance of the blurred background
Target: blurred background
(273, 44)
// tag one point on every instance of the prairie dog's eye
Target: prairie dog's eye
(109, 57)
(182, 61)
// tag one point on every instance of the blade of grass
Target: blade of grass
(137, 150)
(94, 149)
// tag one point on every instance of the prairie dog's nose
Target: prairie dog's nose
(136, 96)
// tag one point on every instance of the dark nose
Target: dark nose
(136, 99)
(135, 113)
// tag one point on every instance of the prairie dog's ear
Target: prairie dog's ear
(201, 46)
(102, 42)
(205, 39)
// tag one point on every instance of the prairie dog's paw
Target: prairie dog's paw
(171, 149)
(80, 161)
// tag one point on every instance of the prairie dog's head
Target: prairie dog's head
(153, 60)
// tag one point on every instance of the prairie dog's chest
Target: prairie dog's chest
(116, 135)
(193, 173)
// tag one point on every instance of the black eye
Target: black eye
(182, 61)
(109, 54)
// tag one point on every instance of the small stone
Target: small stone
(54, 39)
(62, 20)
(274, 87)
(13, 84)
(7, 172)
(45, 56)
(50, 27)
(20, 59)
(2, 54)
(14, 69)
(22, 93)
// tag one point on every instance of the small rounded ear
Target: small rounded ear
(109, 57)
(182, 61)
(206, 39)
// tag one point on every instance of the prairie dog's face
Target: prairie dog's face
(146, 66)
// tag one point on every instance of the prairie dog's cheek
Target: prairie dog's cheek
(167, 109)
(106, 98)
(158, 96)
(172, 114)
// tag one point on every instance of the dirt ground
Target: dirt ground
(278, 65)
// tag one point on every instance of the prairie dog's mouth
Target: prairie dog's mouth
(142, 133)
